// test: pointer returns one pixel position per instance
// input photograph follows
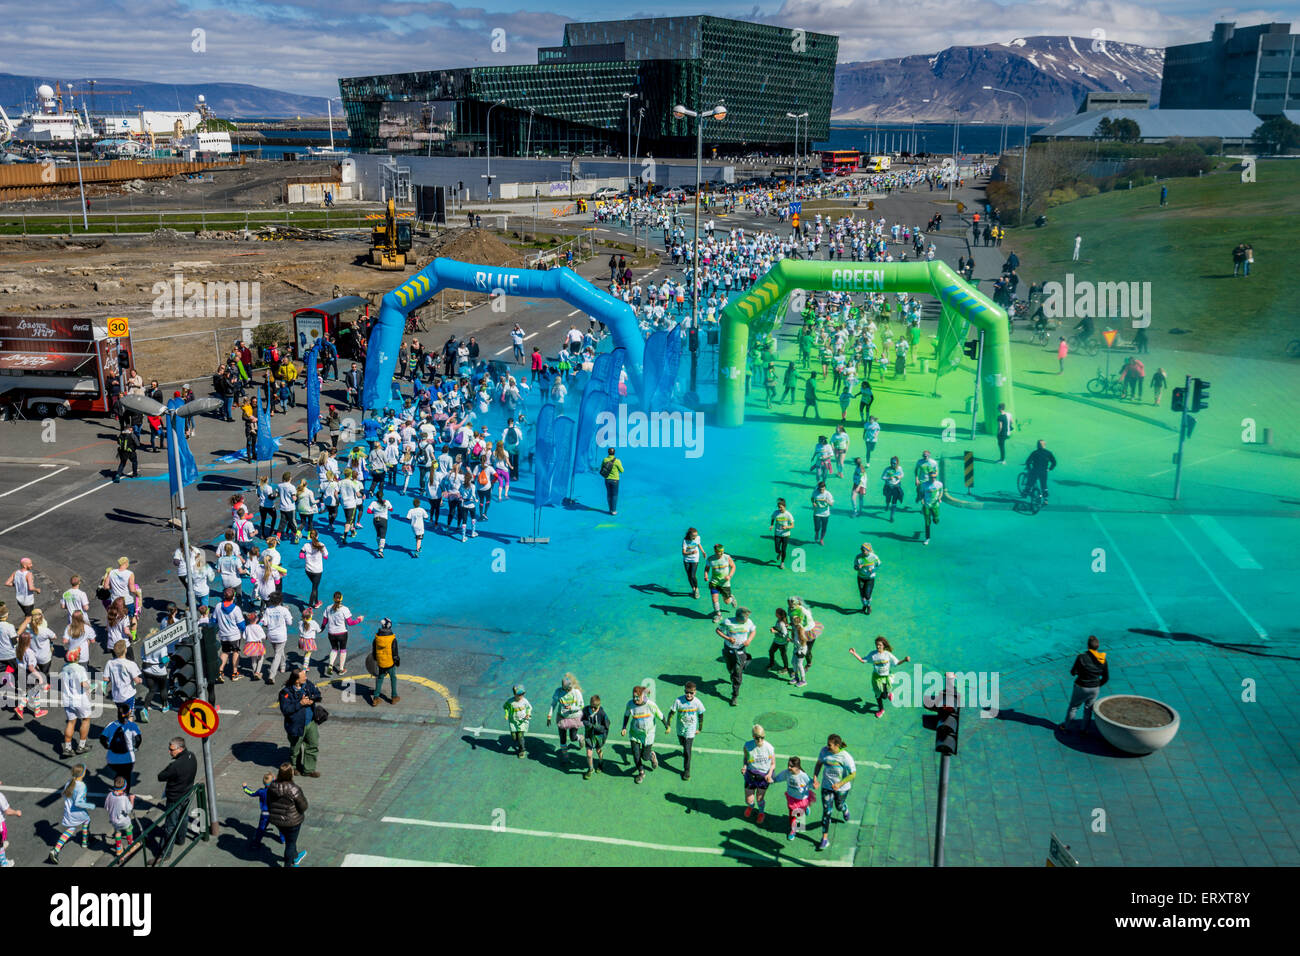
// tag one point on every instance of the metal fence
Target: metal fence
(185, 357)
(204, 220)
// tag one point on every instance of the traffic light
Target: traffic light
(972, 348)
(1179, 401)
(945, 735)
(185, 680)
(1200, 394)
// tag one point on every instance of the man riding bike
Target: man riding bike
(1038, 464)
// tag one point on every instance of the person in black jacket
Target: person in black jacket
(298, 700)
(1091, 672)
(126, 452)
(179, 777)
(286, 804)
(1038, 464)
(595, 731)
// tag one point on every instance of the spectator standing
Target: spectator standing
(286, 805)
(178, 777)
(1091, 672)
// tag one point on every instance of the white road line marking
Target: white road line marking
(1133, 577)
(33, 481)
(571, 314)
(530, 336)
(1233, 549)
(699, 750)
(501, 351)
(229, 713)
(363, 859)
(59, 789)
(1190, 464)
(67, 501)
(554, 324)
(588, 838)
(1263, 634)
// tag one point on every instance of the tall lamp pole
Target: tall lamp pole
(488, 124)
(76, 146)
(1024, 143)
(147, 406)
(797, 117)
(628, 98)
(718, 112)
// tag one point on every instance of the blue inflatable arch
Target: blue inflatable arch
(386, 336)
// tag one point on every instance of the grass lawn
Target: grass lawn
(1185, 252)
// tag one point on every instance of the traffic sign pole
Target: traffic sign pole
(193, 622)
(1182, 437)
(979, 370)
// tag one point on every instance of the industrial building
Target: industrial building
(1251, 68)
(574, 101)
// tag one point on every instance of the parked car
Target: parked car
(606, 192)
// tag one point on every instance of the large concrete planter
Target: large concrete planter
(1135, 725)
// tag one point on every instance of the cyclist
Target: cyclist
(1038, 464)
(1083, 330)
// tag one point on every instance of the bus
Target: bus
(841, 162)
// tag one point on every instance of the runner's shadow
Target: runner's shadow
(682, 612)
(134, 517)
(856, 705)
(259, 753)
(833, 607)
(1255, 650)
(1007, 713)
(236, 838)
(654, 588)
(746, 559)
(717, 809)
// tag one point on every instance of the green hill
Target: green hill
(1185, 252)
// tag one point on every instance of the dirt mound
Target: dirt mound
(469, 245)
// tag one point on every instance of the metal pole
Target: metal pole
(979, 370)
(941, 822)
(195, 643)
(695, 256)
(1024, 158)
(85, 222)
(952, 181)
(1182, 436)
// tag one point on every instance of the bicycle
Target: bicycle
(1032, 491)
(414, 323)
(1106, 386)
(1040, 336)
(1087, 346)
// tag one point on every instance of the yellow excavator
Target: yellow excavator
(390, 242)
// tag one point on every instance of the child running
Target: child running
(518, 713)
(799, 791)
(307, 631)
(76, 812)
(264, 808)
(780, 641)
(119, 805)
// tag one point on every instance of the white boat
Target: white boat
(48, 123)
(320, 152)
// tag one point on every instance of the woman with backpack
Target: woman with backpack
(121, 739)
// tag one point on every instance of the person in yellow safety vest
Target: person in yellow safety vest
(387, 659)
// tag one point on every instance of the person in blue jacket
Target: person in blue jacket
(298, 700)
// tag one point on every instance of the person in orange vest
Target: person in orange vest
(387, 658)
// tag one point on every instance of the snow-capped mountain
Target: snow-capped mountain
(1052, 73)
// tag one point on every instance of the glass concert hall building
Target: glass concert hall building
(571, 101)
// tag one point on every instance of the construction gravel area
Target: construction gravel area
(135, 276)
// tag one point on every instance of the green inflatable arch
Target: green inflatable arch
(934, 278)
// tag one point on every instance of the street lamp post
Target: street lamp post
(76, 146)
(528, 142)
(488, 125)
(797, 117)
(636, 154)
(628, 98)
(718, 112)
(147, 406)
(1024, 144)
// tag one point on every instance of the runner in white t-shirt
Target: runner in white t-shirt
(417, 516)
(758, 761)
(276, 620)
(338, 618)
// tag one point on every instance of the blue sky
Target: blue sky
(302, 46)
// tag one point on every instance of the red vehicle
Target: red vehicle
(841, 162)
(327, 318)
(55, 365)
